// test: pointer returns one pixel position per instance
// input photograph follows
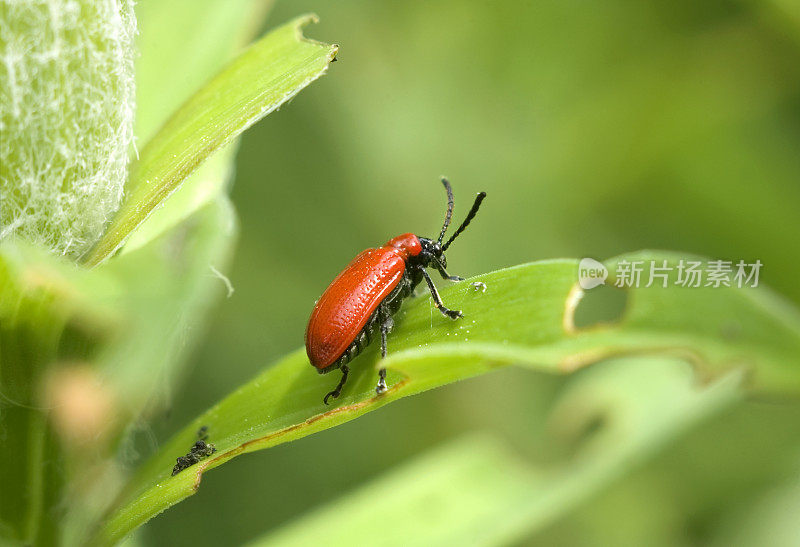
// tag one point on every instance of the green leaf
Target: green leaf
(476, 491)
(194, 38)
(134, 317)
(768, 519)
(182, 44)
(121, 331)
(48, 316)
(524, 317)
(471, 488)
(269, 73)
(642, 403)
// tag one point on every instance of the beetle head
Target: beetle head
(431, 254)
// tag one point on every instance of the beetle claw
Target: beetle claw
(454, 314)
(333, 394)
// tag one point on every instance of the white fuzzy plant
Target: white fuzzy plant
(66, 118)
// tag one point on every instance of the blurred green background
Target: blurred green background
(595, 129)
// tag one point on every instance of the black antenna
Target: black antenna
(449, 213)
(470, 216)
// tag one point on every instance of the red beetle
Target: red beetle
(370, 290)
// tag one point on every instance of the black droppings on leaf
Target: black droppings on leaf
(199, 451)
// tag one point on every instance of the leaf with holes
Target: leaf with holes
(524, 317)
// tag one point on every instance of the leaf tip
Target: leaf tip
(300, 22)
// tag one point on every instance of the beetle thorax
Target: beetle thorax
(408, 244)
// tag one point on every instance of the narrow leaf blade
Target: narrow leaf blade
(266, 75)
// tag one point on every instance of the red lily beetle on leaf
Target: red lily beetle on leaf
(363, 298)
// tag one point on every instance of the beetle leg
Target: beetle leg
(381, 387)
(386, 327)
(445, 275)
(338, 391)
(437, 300)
